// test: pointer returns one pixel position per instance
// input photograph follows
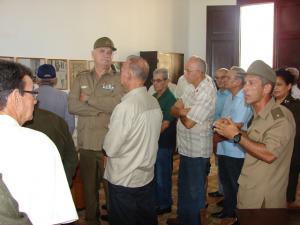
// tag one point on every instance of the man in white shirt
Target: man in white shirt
(195, 110)
(29, 161)
(131, 146)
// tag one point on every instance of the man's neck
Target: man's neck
(259, 106)
(160, 93)
(197, 82)
(100, 70)
(235, 90)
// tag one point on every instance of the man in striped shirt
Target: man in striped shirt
(195, 110)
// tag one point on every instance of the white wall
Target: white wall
(68, 28)
(197, 24)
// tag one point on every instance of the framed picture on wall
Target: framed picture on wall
(32, 63)
(7, 58)
(75, 67)
(61, 68)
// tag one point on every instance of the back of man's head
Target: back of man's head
(10, 76)
(139, 67)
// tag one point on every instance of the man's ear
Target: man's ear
(267, 89)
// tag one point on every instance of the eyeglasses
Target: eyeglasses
(157, 80)
(34, 93)
(189, 71)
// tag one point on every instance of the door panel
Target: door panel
(222, 40)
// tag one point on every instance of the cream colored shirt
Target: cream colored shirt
(132, 140)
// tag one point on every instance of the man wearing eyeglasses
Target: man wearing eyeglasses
(166, 143)
(195, 111)
(29, 162)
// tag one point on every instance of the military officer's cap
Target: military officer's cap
(104, 42)
(260, 68)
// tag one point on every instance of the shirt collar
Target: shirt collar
(8, 120)
(264, 113)
(135, 91)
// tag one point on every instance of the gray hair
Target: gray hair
(200, 63)
(240, 73)
(138, 66)
(163, 71)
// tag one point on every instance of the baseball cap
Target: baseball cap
(104, 42)
(260, 68)
(46, 71)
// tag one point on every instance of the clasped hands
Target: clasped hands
(180, 105)
(226, 128)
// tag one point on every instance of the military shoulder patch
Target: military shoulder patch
(277, 113)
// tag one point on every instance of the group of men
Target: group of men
(127, 136)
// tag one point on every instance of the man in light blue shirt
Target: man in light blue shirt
(231, 155)
(222, 93)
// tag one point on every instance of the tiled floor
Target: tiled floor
(212, 186)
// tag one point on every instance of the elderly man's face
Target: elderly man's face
(191, 72)
(125, 73)
(27, 101)
(159, 83)
(103, 57)
(220, 78)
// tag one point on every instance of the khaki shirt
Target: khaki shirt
(94, 114)
(263, 185)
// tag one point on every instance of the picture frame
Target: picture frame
(61, 68)
(7, 58)
(75, 67)
(32, 63)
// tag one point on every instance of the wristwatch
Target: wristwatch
(237, 138)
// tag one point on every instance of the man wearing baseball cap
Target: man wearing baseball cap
(52, 99)
(268, 143)
(93, 96)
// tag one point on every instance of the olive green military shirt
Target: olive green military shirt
(263, 185)
(94, 114)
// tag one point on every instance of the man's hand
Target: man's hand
(226, 127)
(83, 97)
(179, 104)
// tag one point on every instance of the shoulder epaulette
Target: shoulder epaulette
(277, 113)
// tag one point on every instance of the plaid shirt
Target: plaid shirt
(197, 141)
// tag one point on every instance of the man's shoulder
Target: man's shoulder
(85, 74)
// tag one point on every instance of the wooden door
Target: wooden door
(287, 34)
(222, 37)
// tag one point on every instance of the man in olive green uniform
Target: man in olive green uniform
(92, 98)
(268, 143)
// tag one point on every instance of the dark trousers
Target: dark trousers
(293, 182)
(163, 178)
(191, 189)
(91, 169)
(132, 206)
(230, 170)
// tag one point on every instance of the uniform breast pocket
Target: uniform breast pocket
(85, 89)
(256, 134)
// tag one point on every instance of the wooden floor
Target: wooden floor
(212, 186)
